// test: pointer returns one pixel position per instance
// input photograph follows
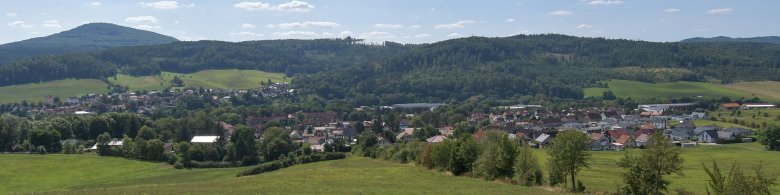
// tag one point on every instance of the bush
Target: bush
(286, 162)
(41, 150)
(178, 165)
(171, 157)
(580, 186)
(215, 164)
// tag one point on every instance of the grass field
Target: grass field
(89, 174)
(60, 88)
(770, 89)
(80, 174)
(641, 90)
(147, 83)
(751, 116)
(226, 79)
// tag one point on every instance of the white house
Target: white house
(709, 136)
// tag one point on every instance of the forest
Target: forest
(549, 65)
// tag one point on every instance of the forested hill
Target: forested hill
(550, 65)
(767, 39)
(85, 38)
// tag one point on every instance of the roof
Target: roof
(543, 138)
(596, 136)
(436, 139)
(623, 139)
(730, 105)
(204, 139)
(643, 138)
(111, 143)
(711, 133)
(725, 135)
(737, 130)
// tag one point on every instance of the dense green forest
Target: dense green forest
(547, 65)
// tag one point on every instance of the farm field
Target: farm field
(770, 89)
(226, 79)
(59, 88)
(80, 174)
(641, 90)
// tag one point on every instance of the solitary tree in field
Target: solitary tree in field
(569, 153)
(644, 173)
(771, 137)
(176, 81)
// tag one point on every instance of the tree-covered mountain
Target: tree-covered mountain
(85, 38)
(766, 39)
(547, 65)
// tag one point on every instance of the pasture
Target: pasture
(226, 79)
(680, 89)
(63, 89)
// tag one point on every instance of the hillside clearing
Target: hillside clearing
(226, 79)
(680, 89)
(61, 88)
(769, 89)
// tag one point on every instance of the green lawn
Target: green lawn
(769, 89)
(147, 83)
(641, 90)
(59, 88)
(226, 79)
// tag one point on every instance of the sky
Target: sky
(404, 21)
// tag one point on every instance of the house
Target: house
(204, 139)
(739, 132)
(112, 144)
(698, 115)
(701, 129)
(624, 141)
(405, 135)
(709, 136)
(384, 142)
(228, 128)
(729, 106)
(317, 148)
(757, 105)
(642, 139)
(726, 136)
(436, 139)
(543, 139)
(677, 134)
(658, 122)
(296, 137)
(598, 141)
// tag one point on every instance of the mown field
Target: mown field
(147, 83)
(89, 174)
(769, 89)
(226, 79)
(80, 174)
(60, 88)
(641, 90)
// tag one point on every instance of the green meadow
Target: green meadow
(35, 92)
(641, 90)
(90, 174)
(226, 79)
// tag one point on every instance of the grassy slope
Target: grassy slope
(770, 89)
(80, 174)
(747, 116)
(148, 83)
(641, 90)
(226, 79)
(60, 88)
(604, 174)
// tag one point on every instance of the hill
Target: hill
(63, 89)
(85, 38)
(767, 39)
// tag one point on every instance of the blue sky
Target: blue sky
(400, 21)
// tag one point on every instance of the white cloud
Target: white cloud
(672, 10)
(720, 11)
(510, 20)
(96, 3)
(459, 24)
(306, 34)
(561, 13)
(292, 6)
(605, 2)
(246, 33)
(295, 6)
(161, 5)
(345, 34)
(415, 26)
(584, 26)
(147, 27)
(11, 14)
(270, 26)
(309, 24)
(191, 5)
(454, 35)
(141, 19)
(422, 35)
(388, 26)
(52, 24)
(247, 26)
(377, 35)
(19, 24)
